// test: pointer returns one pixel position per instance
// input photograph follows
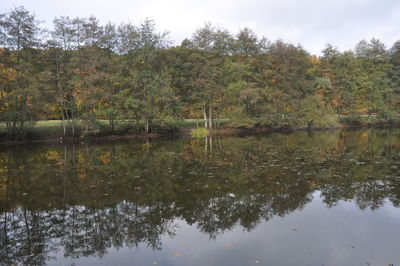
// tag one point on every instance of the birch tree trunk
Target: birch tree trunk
(204, 108)
(210, 124)
(147, 126)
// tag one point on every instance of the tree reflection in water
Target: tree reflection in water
(86, 198)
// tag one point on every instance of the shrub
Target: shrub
(199, 133)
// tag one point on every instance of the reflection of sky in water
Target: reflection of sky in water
(316, 235)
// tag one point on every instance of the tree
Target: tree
(145, 81)
(195, 78)
(394, 74)
(63, 40)
(212, 39)
(20, 30)
(375, 84)
(144, 36)
(247, 43)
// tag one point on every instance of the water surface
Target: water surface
(327, 198)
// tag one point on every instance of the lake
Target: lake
(321, 198)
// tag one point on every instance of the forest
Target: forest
(132, 78)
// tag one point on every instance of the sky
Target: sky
(310, 23)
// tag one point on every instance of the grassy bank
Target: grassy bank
(392, 120)
(52, 130)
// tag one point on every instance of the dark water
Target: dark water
(330, 198)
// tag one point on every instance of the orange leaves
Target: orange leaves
(364, 137)
(105, 158)
(82, 175)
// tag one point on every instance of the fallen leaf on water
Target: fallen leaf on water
(230, 246)
(154, 262)
(176, 254)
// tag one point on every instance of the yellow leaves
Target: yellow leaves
(344, 134)
(312, 184)
(3, 189)
(7, 74)
(364, 137)
(52, 155)
(105, 158)
(314, 59)
(52, 108)
(363, 110)
(79, 101)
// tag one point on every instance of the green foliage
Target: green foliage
(312, 113)
(86, 73)
(199, 133)
(382, 118)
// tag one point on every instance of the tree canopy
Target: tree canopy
(81, 72)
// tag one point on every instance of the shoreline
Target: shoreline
(223, 131)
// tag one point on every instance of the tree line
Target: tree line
(82, 72)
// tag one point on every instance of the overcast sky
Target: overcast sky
(311, 23)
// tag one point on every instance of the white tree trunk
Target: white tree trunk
(210, 117)
(205, 116)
